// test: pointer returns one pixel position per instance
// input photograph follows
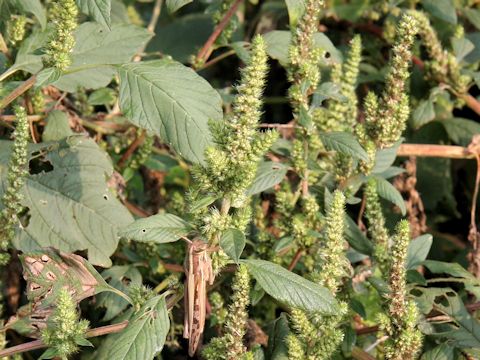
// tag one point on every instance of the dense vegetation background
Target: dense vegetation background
(240, 179)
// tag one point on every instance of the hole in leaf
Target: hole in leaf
(38, 165)
(24, 217)
(105, 197)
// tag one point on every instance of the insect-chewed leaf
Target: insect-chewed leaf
(46, 273)
(290, 288)
(120, 277)
(145, 334)
(161, 228)
(69, 204)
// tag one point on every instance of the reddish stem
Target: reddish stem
(207, 48)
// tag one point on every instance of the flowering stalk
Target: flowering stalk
(443, 66)
(376, 224)
(63, 15)
(231, 165)
(17, 173)
(16, 29)
(318, 337)
(230, 345)
(405, 340)
(341, 115)
(388, 115)
(65, 331)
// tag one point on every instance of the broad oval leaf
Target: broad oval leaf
(461, 130)
(344, 143)
(121, 278)
(290, 288)
(172, 101)
(34, 7)
(388, 192)
(295, 8)
(233, 243)
(70, 205)
(442, 9)
(424, 113)
(161, 228)
(99, 10)
(269, 174)
(356, 238)
(278, 43)
(418, 250)
(174, 5)
(145, 334)
(57, 127)
(95, 47)
(384, 158)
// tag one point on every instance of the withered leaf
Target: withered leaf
(46, 272)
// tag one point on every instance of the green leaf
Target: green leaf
(47, 77)
(384, 158)
(27, 57)
(473, 15)
(269, 174)
(418, 250)
(49, 354)
(103, 96)
(160, 228)
(145, 334)
(423, 114)
(121, 278)
(57, 127)
(295, 8)
(174, 5)
(35, 8)
(388, 192)
(466, 332)
(99, 10)
(442, 9)
(440, 352)
(290, 288)
(356, 238)
(344, 143)
(182, 37)
(172, 101)
(278, 43)
(277, 339)
(454, 269)
(462, 47)
(233, 243)
(69, 204)
(461, 130)
(95, 47)
(327, 90)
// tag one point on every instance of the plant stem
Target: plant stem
(18, 91)
(207, 48)
(133, 146)
(7, 73)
